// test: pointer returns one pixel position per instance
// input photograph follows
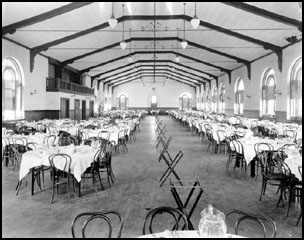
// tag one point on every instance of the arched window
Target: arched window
(268, 92)
(296, 90)
(185, 102)
(122, 102)
(222, 99)
(12, 90)
(239, 97)
(214, 99)
(208, 100)
(203, 103)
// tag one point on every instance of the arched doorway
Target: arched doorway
(153, 101)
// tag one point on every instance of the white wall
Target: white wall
(168, 95)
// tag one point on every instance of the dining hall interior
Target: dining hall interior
(151, 119)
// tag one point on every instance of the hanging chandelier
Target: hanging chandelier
(112, 21)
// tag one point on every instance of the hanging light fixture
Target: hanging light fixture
(184, 42)
(112, 21)
(123, 44)
(195, 21)
(177, 58)
(130, 59)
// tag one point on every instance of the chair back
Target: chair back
(104, 134)
(174, 213)
(49, 140)
(87, 220)
(60, 162)
(264, 222)
(221, 134)
(31, 146)
(289, 133)
(20, 140)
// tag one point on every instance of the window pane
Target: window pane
(153, 99)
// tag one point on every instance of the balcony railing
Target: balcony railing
(53, 84)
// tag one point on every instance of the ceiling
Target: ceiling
(230, 35)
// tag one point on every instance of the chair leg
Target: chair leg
(289, 201)
(262, 190)
(100, 181)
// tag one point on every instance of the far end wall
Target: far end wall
(167, 96)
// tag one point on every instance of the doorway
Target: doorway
(64, 108)
(91, 109)
(84, 110)
(77, 110)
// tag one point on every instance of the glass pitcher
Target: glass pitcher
(212, 223)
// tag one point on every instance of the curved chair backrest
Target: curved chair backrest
(104, 134)
(21, 141)
(103, 215)
(175, 214)
(31, 146)
(290, 133)
(261, 147)
(49, 140)
(259, 219)
(84, 136)
(61, 161)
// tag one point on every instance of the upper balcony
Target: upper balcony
(58, 85)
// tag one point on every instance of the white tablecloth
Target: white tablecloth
(183, 234)
(94, 133)
(248, 144)
(37, 138)
(81, 159)
(293, 164)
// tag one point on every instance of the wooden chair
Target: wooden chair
(88, 219)
(174, 214)
(264, 222)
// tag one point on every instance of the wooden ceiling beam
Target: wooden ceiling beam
(11, 28)
(150, 75)
(266, 14)
(180, 71)
(157, 61)
(139, 71)
(34, 51)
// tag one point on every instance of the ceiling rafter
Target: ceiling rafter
(238, 59)
(11, 28)
(266, 14)
(151, 75)
(139, 71)
(108, 78)
(159, 52)
(34, 51)
(158, 61)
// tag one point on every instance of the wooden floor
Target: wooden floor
(136, 190)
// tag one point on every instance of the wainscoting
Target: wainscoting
(36, 115)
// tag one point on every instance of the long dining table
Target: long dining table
(82, 157)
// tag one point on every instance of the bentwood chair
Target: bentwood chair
(96, 222)
(291, 184)
(292, 134)
(105, 161)
(265, 150)
(35, 171)
(264, 222)
(300, 193)
(50, 140)
(240, 158)
(170, 219)
(93, 170)
(60, 172)
(271, 172)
